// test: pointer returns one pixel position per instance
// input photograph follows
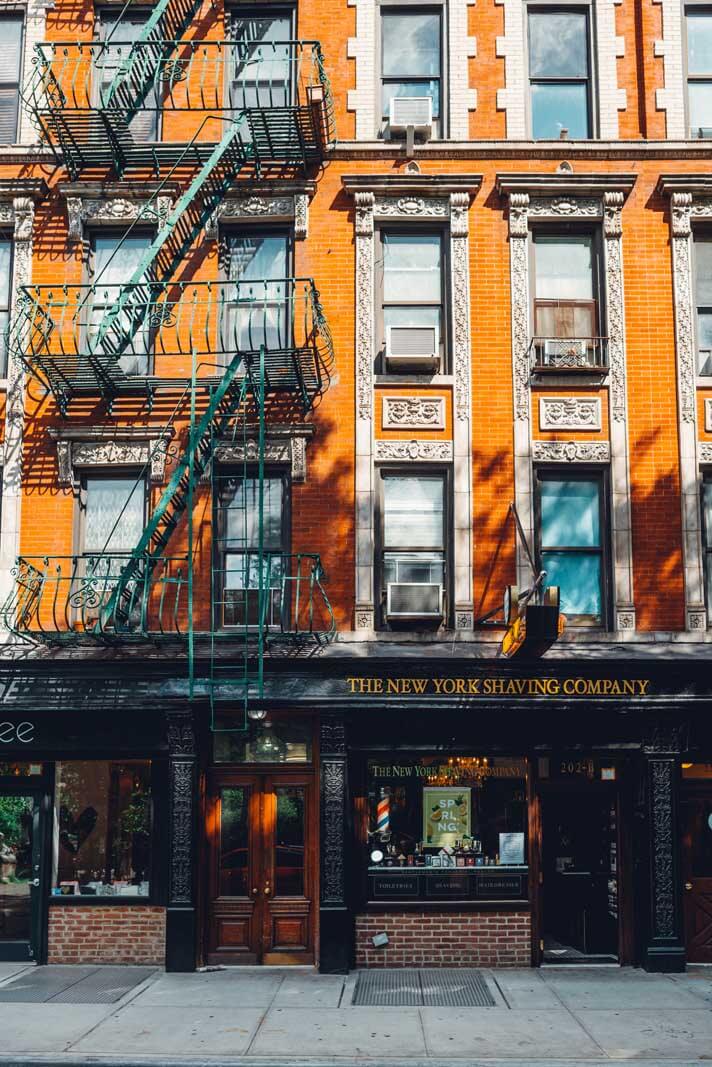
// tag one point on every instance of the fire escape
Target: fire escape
(223, 358)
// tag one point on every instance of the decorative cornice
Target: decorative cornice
(110, 446)
(124, 207)
(569, 412)
(289, 450)
(564, 185)
(695, 184)
(520, 149)
(32, 188)
(414, 451)
(413, 412)
(571, 451)
(412, 206)
(412, 185)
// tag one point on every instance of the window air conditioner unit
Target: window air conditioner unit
(414, 600)
(566, 348)
(412, 346)
(411, 111)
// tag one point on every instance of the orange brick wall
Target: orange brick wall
(130, 934)
(445, 939)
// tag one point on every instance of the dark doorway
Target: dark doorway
(21, 895)
(580, 876)
(697, 870)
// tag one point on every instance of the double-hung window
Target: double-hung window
(118, 32)
(5, 290)
(703, 301)
(262, 64)
(707, 539)
(566, 305)
(411, 57)
(258, 311)
(571, 542)
(559, 72)
(111, 521)
(114, 260)
(11, 36)
(699, 70)
(413, 555)
(237, 548)
(411, 272)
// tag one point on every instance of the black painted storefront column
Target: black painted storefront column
(664, 949)
(182, 795)
(335, 921)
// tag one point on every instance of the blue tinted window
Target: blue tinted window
(571, 547)
(570, 514)
(578, 577)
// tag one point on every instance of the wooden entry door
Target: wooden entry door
(262, 849)
(697, 873)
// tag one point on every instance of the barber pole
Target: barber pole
(383, 815)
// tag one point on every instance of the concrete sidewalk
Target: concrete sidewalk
(273, 1016)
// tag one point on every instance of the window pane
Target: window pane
(113, 520)
(289, 842)
(120, 32)
(570, 514)
(699, 42)
(115, 261)
(411, 88)
(261, 64)
(241, 500)
(558, 44)
(411, 45)
(700, 94)
(564, 267)
(558, 106)
(5, 263)
(411, 267)
(10, 49)
(254, 258)
(413, 512)
(234, 858)
(578, 577)
(16, 832)
(703, 271)
(102, 828)
(704, 339)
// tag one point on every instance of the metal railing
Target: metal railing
(184, 76)
(59, 599)
(55, 332)
(568, 354)
(289, 604)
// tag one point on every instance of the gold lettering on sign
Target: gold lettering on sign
(500, 687)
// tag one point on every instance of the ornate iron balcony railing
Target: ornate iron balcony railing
(60, 599)
(102, 103)
(567, 354)
(56, 333)
(68, 599)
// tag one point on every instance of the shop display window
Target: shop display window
(446, 828)
(102, 829)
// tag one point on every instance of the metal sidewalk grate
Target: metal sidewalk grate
(446, 987)
(74, 985)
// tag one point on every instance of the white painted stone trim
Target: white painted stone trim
(413, 412)
(671, 98)
(569, 413)
(456, 208)
(461, 48)
(610, 48)
(708, 415)
(686, 356)
(35, 33)
(362, 49)
(23, 211)
(521, 208)
(512, 48)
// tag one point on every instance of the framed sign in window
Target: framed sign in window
(446, 815)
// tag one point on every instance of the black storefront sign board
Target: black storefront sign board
(507, 886)
(49, 734)
(385, 887)
(447, 885)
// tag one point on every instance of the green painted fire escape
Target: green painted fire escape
(51, 334)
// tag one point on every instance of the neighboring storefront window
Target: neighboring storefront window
(446, 828)
(102, 829)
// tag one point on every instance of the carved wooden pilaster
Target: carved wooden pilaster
(333, 788)
(665, 949)
(182, 794)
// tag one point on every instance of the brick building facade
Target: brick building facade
(398, 309)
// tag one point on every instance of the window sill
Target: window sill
(414, 379)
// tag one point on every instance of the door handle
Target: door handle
(36, 883)
(688, 885)
(255, 892)
(267, 890)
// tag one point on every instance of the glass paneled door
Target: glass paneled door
(20, 869)
(262, 841)
(697, 872)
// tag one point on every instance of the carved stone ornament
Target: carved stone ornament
(569, 413)
(412, 206)
(705, 451)
(291, 451)
(625, 620)
(414, 451)
(364, 305)
(332, 736)
(571, 451)
(464, 620)
(250, 207)
(413, 412)
(566, 207)
(333, 826)
(117, 451)
(696, 619)
(363, 619)
(108, 210)
(181, 735)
